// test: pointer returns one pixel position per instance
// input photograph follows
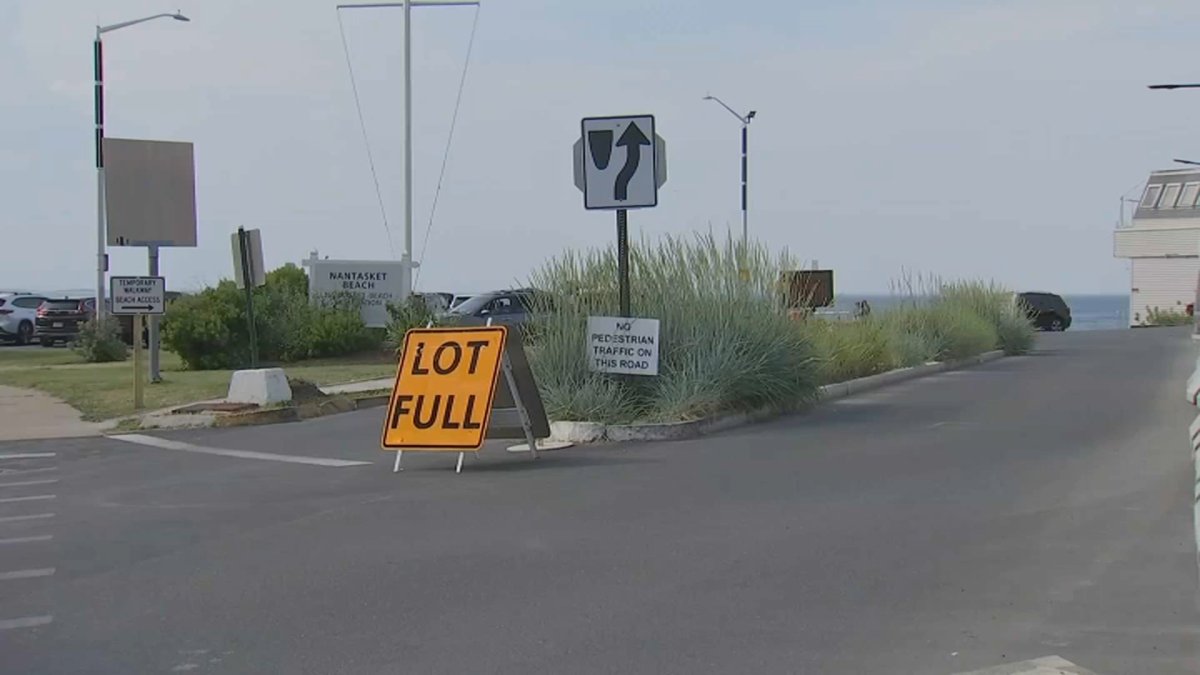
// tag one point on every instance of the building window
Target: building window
(1187, 198)
(1150, 199)
(1169, 196)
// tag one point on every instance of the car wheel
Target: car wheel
(1056, 325)
(24, 333)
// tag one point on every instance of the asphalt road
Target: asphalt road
(1031, 506)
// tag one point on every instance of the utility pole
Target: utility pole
(406, 257)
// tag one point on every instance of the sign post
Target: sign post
(138, 296)
(249, 273)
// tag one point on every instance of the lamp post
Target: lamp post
(98, 69)
(745, 120)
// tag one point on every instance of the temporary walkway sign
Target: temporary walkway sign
(138, 295)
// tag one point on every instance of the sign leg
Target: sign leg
(458, 469)
(137, 362)
(526, 425)
(623, 259)
(396, 468)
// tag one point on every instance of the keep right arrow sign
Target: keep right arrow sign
(617, 159)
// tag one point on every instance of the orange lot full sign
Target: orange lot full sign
(442, 398)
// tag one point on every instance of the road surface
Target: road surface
(1029, 507)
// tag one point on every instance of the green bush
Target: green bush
(725, 343)
(209, 330)
(99, 341)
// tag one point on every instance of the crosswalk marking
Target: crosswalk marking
(30, 516)
(25, 622)
(25, 483)
(30, 498)
(26, 574)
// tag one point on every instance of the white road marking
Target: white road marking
(1047, 665)
(21, 472)
(31, 498)
(26, 455)
(27, 540)
(25, 622)
(31, 516)
(26, 574)
(23, 483)
(156, 442)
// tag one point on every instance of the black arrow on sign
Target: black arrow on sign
(145, 307)
(633, 139)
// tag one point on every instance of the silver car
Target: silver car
(18, 316)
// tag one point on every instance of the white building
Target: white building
(1163, 245)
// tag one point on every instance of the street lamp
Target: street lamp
(745, 120)
(98, 67)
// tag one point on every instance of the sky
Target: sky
(960, 139)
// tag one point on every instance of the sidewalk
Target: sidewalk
(27, 414)
(359, 387)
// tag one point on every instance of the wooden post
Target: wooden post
(138, 402)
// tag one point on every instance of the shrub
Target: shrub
(99, 341)
(725, 343)
(209, 330)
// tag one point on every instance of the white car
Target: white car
(18, 312)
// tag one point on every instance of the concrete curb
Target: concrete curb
(592, 432)
(166, 419)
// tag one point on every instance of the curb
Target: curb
(287, 413)
(592, 432)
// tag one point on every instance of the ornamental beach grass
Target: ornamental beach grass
(725, 342)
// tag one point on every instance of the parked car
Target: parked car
(18, 316)
(460, 299)
(512, 307)
(1047, 311)
(59, 319)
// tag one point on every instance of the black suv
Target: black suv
(1047, 311)
(59, 319)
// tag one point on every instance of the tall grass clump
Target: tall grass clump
(725, 343)
(997, 306)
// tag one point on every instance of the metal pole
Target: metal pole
(408, 182)
(248, 279)
(98, 93)
(623, 260)
(155, 376)
(745, 228)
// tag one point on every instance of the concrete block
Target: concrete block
(577, 432)
(263, 386)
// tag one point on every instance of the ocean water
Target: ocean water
(1088, 312)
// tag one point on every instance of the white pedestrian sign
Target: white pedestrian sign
(138, 295)
(622, 345)
(619, 162)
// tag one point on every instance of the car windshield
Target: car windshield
(472, 306)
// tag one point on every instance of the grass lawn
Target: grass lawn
(105, 390)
